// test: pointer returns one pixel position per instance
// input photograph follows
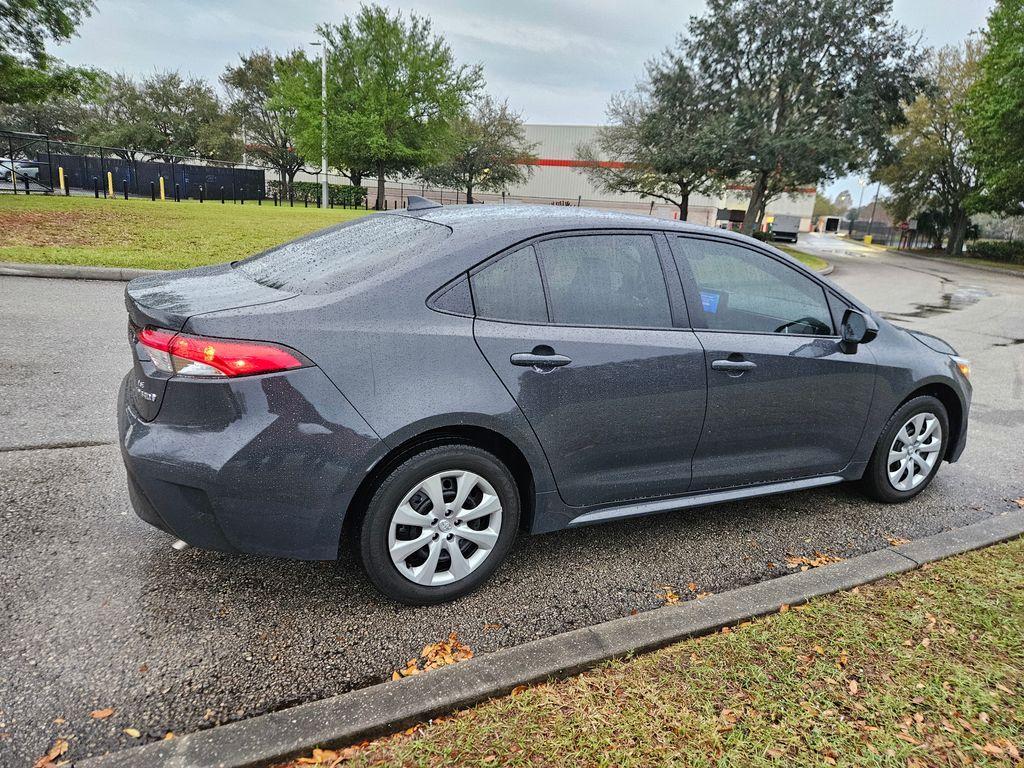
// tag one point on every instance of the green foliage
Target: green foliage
(338, 194)
(812, 87)
(487, 150)
(929, 164)
(996, 103)
(1009, 251)
(395, 89)
(267, 124)
(667, 139)
(823, 206)
(163, 114)
(27, 73)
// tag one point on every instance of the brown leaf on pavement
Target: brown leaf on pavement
(896, 541)
(436, 655)
(668, 595)
(1019, 502)
(816, 560)
(101, 714)
(133, 732)
(60, 746)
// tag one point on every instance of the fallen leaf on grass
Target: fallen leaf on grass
(60, 746)
(101, 714)
(816, 560)
(854, 687)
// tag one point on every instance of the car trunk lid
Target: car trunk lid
(167, 302)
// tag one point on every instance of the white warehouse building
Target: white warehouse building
(557, 179)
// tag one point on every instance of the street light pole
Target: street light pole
(323, 122)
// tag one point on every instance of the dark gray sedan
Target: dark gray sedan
(424, 384)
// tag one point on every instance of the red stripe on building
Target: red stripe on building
(553, 163)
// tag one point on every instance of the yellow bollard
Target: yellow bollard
(110, 184)
(867, 239)
(161, 187)
(60, 174)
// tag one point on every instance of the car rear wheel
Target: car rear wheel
(909, 450)
(439, 525)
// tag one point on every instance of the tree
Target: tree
(394, 91)
(27, 73)
(813, 85)
(996, 109)
(163, 115)
(930, 164)
(267, 123)
(823, 206)
(488, 150)
(843, 201)
(666, 140)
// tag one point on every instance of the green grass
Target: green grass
(926, 669)
(813, 262)
(146, 234)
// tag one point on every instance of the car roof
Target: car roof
(463, 218)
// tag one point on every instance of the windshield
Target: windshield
(330, 260)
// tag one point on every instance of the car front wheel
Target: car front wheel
(439, 525)
(909, 450)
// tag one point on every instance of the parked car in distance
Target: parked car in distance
(18, 170)
(425, 384)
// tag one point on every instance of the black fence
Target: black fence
(35, 163)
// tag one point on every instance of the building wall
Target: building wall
(557, 177)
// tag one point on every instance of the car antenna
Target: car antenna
(417, 203)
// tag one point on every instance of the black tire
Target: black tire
(876, 477)
(376, 524)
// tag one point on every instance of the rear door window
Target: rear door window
(605, 280)
(742, 290)
(510, 289)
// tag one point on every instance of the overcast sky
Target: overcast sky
(555, 60)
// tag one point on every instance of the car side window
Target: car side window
(746, 291)
(605, 280)
(510, 289)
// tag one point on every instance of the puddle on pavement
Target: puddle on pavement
(950, 302)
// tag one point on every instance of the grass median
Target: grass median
(925, 669)
(143, 234)
(813, 262)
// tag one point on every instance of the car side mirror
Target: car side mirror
(857, 328)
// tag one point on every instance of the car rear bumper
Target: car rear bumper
(264, 464)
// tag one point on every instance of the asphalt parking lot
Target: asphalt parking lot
(98, 611)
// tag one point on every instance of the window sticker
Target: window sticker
(709, 301)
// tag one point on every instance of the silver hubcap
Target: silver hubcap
(914, 452)
(445, 527)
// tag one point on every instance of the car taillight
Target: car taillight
(189, 355)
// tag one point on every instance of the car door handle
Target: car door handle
(531, 360)
(733, 365)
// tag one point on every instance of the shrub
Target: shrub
(338, 194)
(1009, 251)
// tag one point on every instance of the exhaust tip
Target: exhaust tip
(179, 545)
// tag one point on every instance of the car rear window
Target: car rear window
(328, 261)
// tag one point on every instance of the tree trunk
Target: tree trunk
(469, 194)
(684, 205)
(379, 205)
(957, 233)
(291, 182)
(356, 177)
(756, 206)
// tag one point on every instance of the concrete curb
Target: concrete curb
(73, 271)
(827, 270)
(391, 706)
